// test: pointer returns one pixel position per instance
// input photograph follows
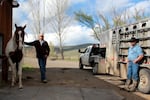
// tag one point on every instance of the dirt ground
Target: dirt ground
(66, 73)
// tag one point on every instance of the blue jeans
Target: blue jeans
(42, 64)
(133, 70)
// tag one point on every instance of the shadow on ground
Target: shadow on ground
(71, 78)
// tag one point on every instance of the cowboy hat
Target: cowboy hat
(133, 39)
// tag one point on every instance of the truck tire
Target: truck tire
(80, 64)
(95, 69)
(144, 82)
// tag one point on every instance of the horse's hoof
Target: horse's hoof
(11, 86)
(20, 87)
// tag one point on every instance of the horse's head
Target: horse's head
(19, 36)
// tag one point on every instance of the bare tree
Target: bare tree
(106, 25)
(94, 23)
(88, 21)
(37, 23)
(139, 14)
(60, 21)
(118, 17)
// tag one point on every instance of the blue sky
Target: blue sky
(86, 5)
(81, 34)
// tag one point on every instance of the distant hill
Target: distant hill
(66, 48)
(70, 52)
(75, 47)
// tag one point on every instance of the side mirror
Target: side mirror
(79, 51)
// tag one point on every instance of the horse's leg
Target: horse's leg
(20, 74)
(13, 68)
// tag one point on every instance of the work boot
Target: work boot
(133, 86)
(128, 82)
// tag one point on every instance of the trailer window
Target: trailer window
(120, 31)
(114, 32)
(134, 27)
(127, 29)
(144, 24)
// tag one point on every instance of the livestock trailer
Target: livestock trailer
(116, 42)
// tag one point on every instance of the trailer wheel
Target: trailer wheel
(80, 64)
(95, 69)
(144, 83)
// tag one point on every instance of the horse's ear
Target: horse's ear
(24, 27)
(16, 25)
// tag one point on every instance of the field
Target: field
(70, 52)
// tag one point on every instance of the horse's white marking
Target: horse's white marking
(20, 40)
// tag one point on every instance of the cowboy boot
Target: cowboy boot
(128, 82)
(133, 86)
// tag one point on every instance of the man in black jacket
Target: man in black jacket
(42, 52)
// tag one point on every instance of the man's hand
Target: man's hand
(135, 61)
(46, 56)
(138, 59)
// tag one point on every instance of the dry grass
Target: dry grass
(71, 55)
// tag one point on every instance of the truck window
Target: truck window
(88, 50)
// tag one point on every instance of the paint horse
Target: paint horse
(14, 53)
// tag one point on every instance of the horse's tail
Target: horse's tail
(17, 66)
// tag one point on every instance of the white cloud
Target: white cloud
(21, 13)
(77, 1)
(106, 6)
(79, 35)
(141, 6)
(75, 35)
(29, 38)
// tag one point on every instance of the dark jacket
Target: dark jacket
(41, 50)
